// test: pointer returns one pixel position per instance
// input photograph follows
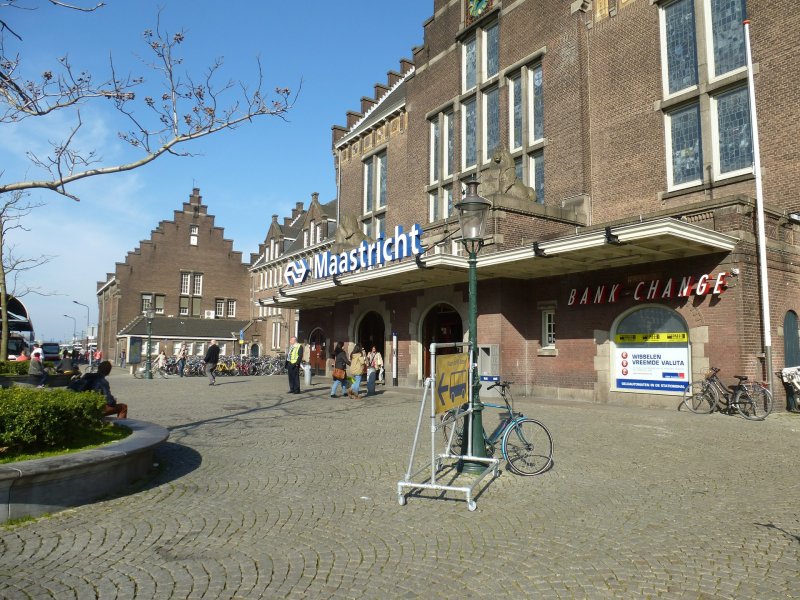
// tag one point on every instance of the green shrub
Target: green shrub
(32, 419)
(12, 367)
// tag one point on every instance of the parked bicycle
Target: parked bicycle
(752, 400)
(525, 443)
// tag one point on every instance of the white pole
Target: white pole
(762, 239)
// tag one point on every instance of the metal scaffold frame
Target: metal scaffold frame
(437, 461)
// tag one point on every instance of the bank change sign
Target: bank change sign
(652, 368)
(367, 254)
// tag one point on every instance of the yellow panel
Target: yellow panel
(451, 387)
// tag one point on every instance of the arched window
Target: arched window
(652, 351)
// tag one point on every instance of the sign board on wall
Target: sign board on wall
(650, 366)
(652, 290)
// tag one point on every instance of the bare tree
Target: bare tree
(163, 111)
(13, 209)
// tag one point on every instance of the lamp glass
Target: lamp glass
(149, 314)
(472, 213)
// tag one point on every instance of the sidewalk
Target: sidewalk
(265, 494)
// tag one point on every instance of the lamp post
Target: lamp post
(74, 327)
(87, 329)
(148, 369)
(472, 220)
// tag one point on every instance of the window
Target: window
(548, 328)
(185, 283)
(469, 133)
(193, 230)
(491, 135)
(219, 308)
(526, 126)
(147, 301)
(375, 227)
(159, 304)
(191, 306)
(196, 306)
(197, 288)
(276, 336)
(183, 307)
(375, 175)
(716, 114)
(492, 54)
(231, 308)
(435, 150)
(470, 58)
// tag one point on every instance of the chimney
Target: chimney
(338, 133)
(393, 77)
(195, 199)
(275, 219)
(315, 197)
(353, 118)
(405, 65)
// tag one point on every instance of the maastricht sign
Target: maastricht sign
(367, 254)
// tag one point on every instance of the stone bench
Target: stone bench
(34, 487)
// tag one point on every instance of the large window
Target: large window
(442, 127)
(526, 125)
(376, 170)
(480, 109)
(193, 231)
(708, 133)
(191, 291)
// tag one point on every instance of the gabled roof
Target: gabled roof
(180, 328)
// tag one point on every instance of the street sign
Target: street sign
(452, 381)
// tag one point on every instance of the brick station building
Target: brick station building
(614, 142)
(192, 278)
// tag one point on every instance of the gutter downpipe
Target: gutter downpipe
(762, 240)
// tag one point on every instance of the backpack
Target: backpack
(84, 383)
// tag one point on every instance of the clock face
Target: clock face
(476, 7)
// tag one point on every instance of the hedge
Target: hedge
(13, 367)
(32, 419)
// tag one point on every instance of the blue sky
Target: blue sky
(339, 50)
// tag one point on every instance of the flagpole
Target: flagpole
(762, 240)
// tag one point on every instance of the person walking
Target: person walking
(161, 364)
(340, 364)
(374, 365)
(182, 354)
(293, 358)
(211, 359)
(357, 370)
(122, 356)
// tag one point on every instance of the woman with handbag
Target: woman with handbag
(358, 368)
(340, 363)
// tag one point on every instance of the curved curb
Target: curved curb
(35, 487)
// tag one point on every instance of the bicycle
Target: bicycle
(752, 400)
(525, 443)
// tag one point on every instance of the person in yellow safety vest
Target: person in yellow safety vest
(293, 359)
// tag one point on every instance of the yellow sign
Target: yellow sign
(452, 381)
(652, 338)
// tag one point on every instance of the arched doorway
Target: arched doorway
(791, 353)
(371, 332)
(255, 351)
(317, 346)
(442, 325)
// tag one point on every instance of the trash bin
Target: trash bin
(307, 369)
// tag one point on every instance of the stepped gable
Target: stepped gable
(374, 108)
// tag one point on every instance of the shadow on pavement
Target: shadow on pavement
(176, 460)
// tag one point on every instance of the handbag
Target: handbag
(339, 374)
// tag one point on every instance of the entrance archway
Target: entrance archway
(442, 325)
(791, 340)
(318, 358)
(254, 350)
(371, 332)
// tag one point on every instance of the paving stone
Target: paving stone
(264, 495)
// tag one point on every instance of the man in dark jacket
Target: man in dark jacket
(211, 359)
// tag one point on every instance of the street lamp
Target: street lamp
(148, 369)
(472, 220)
(74, 327)
(87, 329)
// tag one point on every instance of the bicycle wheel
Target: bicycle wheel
(527, 447)
(138, 372)
(753, 402)
(448, 423)
(700, 397)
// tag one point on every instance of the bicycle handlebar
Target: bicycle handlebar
(502, 384)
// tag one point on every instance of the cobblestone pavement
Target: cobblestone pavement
(265, 494)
